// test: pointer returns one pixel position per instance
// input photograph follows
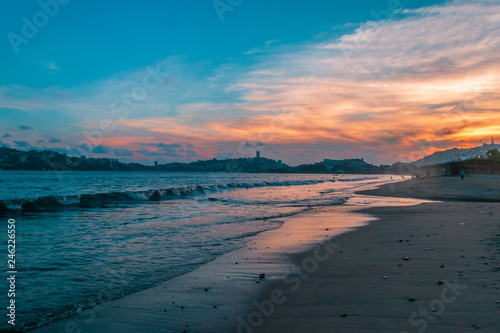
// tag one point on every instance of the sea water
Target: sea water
(84, 238)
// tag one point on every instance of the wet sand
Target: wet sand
(427, 268)
(474, 188)
(212, 297)
(441, 257)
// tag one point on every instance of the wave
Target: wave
(53, 202)
(355, 179)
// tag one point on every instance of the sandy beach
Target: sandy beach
(475, 188)
(427, 268)
(403, 267)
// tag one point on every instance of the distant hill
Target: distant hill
(13, 159)
(455, 155)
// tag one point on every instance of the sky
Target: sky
(184, 80)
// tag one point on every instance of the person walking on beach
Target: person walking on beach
(462, 174)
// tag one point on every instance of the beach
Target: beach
(404, 266)
(244, 166)
(475, 188)
(427, 268)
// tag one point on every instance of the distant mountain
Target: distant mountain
(13, 159)
(455, 154)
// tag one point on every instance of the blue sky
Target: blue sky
(93, 40)
(216, 96)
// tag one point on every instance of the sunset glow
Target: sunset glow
(425, 79)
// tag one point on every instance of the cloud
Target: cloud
(51, 66)
(123, 152)
(169, 150)
(191, 153)
(164, 145)
(39, 141)
(433, 70)
(360, 90)
(100, 149)
(22, 144)
(54, 140)
(25, 127)
(261, 49)
(7, 135)
(149, 153)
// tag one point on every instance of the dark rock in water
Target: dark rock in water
(406, 258)
(440, 283)
(344, 315)
(3, 206)
(262, 276)
(442, 266)
(206, 289)
(411, 299)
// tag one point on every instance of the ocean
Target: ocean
(84, 238)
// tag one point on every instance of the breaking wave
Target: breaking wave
(54, 202)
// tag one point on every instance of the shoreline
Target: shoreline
(210, 298)
(427, 268)
(475, 188)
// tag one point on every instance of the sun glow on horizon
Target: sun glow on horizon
(395, 89)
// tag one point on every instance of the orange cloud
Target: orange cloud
(392, 89)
